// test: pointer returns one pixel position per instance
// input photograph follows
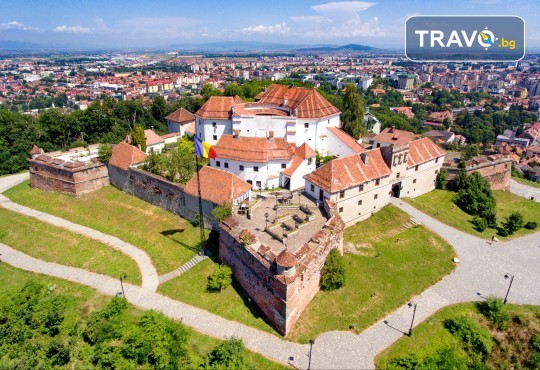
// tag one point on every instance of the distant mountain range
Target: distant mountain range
(349, 47)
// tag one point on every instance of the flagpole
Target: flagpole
(201, 218)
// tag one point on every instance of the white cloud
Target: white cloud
(279, 29)
(72, 29)
(14, 25)
(338, 20)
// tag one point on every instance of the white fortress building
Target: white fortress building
(296, 114)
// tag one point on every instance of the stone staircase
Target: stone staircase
(185, 267)
(412, 222)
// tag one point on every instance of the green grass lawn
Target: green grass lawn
(54, 244)
(533, 184)
(439, 204)
(231, 303)
(410, 261)
(431, 335)
(420, 258)
(111, 211)
(81, 301)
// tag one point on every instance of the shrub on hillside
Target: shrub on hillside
(333, 272)
(220, 279)
(228, 355)
(476, 339)
(474, 196)
(479, 223)
(493, 310)
(514, 222)
(502, 231)
(220, 213)
(531, 225)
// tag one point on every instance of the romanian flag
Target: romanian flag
(203, 149)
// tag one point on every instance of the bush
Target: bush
(514, 222)
(493, 309)
(228, 355)
(479, 223)
(490, 215)
(535, 340)
(476, 339)
(104, 153)
(474, 195)
(503, 232)
(220, 213)
(220, 279)
(333, 272)
(440, 182)
(531, 225)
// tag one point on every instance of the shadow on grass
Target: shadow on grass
(393, 327)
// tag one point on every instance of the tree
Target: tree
(353, 107)
(220, 279)
(514, 222)
(228, 355)
(208, 90)
(220, 213)
(474, 195)
(159, 108)
(138, 138)
(440, 182)
(333, 272)
(104, 152)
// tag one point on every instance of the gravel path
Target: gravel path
(150, 280)
(478, 274)
(525, 191)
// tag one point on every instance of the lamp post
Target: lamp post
(122, 277)
(509, 286)
(266, 215)
(311, 343)
(412, 304)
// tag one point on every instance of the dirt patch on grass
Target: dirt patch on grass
(361, 249)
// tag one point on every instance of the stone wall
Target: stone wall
(498, 173)
(282, 298)
(72, 181)
(162, 193)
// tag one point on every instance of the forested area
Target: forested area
(41, 329)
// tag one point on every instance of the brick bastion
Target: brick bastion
(75, 172)
(278, 252)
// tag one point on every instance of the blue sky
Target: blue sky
(120, 23)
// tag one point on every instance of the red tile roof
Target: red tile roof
(152, 138)
(423, 150)
(253, 149)
(286, 259)
(343, 173)
(190, 128)
(181, 116)
(169, 135)
(346, 139)
(308, 103)
(217, 186)
(295, 163)
(125, 155)
(305, 151)
(218, 107)
(394, 136)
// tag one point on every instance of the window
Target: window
(249, 182)
(359, 202)
(378, 145)
(437, 160)
(306, 125)
(200, 135)
(214, 137)
(341, 194)
(258, 184)
(312, 187)
(377, 182)
(226, 165)
(436, 172)
(200, 122)
(414, 181)
(416, 168)
(376, 196)
(241, 167)
(340, 209)
(284, 165)
(397, 176)
(218, 163)
(256, 169)
(214, 124)
(361, 187)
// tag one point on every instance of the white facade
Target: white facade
(260, 175)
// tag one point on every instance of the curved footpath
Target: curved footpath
(149, 274)
(525, 191)
(479, 274)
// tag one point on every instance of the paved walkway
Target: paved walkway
(149, 274)
(479, 274)
(525, 191)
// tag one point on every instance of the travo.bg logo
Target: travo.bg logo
(485, 38)
(465, 38)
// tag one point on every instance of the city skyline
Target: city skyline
(121, 24)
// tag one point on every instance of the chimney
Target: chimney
(236, 133)
(365, 157)
(271, 135)
(285, 100)
(392, 129)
